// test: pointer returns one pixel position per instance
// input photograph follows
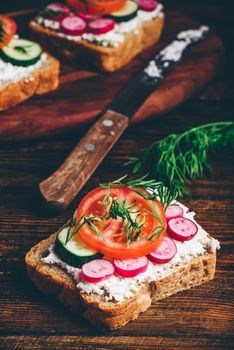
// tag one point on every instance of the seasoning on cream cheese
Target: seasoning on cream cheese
(118, 288)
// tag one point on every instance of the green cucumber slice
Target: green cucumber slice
(22, 52)
(74, 252)
(128, 12)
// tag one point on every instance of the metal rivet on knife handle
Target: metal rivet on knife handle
(62, 186)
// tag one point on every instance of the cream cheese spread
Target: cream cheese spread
(117, 288)
(13, 73)
(113, 38)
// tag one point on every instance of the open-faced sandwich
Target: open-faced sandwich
(123, 248)
(104, 33)
(25, 69)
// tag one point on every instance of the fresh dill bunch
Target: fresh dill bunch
(181, 157)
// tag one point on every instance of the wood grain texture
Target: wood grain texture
(79, 98)
(63, 185)
(202, 318)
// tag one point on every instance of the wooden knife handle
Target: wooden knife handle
(63, 185)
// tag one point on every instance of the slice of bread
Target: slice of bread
(55, 280)
(44, 78)
(108, 59)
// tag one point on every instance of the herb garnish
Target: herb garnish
(23, 49)
(182, 157)
(132, 228)
(75, 227)
(121, 209)
(149, 189)
(2, 32)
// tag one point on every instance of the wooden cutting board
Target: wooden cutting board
(83, 94)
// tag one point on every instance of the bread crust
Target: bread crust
(40, 81)
(54, 280)
(107, 59)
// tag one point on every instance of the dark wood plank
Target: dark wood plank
(105, 342)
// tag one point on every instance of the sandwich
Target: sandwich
(124, 248)
(25, 69)
(105, 34)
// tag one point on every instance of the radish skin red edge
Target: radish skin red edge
(182, 229)
(174, 211)
(164, 253)
(97, 270)
(130, 267)
(85, 16)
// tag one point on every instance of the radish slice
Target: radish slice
(73, 25)
(57, 11)
(97, 270)
(101, 25)
(147, 5)
(174, 211)
(182, 229)
(164, 253)
(85, 16)
(130, 267)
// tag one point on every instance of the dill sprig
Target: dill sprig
(122, 209)
(149, 189)
(2, 32)
(132, 228)
(182, 157)
(74, 226)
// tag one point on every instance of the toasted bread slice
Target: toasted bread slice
(44, 78)
(55, 280)
(108, 59)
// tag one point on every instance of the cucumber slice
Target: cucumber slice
(22, 52)
(75, 252)
(128, 12)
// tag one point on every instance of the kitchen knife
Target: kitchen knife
(62, 186)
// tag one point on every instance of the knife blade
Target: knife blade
(63, 185)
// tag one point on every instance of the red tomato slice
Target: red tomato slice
(8, 28)
(100, 7)
(112, 238)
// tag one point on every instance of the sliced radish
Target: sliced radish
(130, 267)
(85, 16)
(97, 270)
(147, 5)
(57, 11)
(182, 229)
(73, 25)
(164, 253)
(174, 211)
(101, 25)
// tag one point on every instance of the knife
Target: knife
(62, 186)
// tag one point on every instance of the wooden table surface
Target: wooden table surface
(202, 318)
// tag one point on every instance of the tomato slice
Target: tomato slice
(8, 29)
(100, 7)
(110, 235)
